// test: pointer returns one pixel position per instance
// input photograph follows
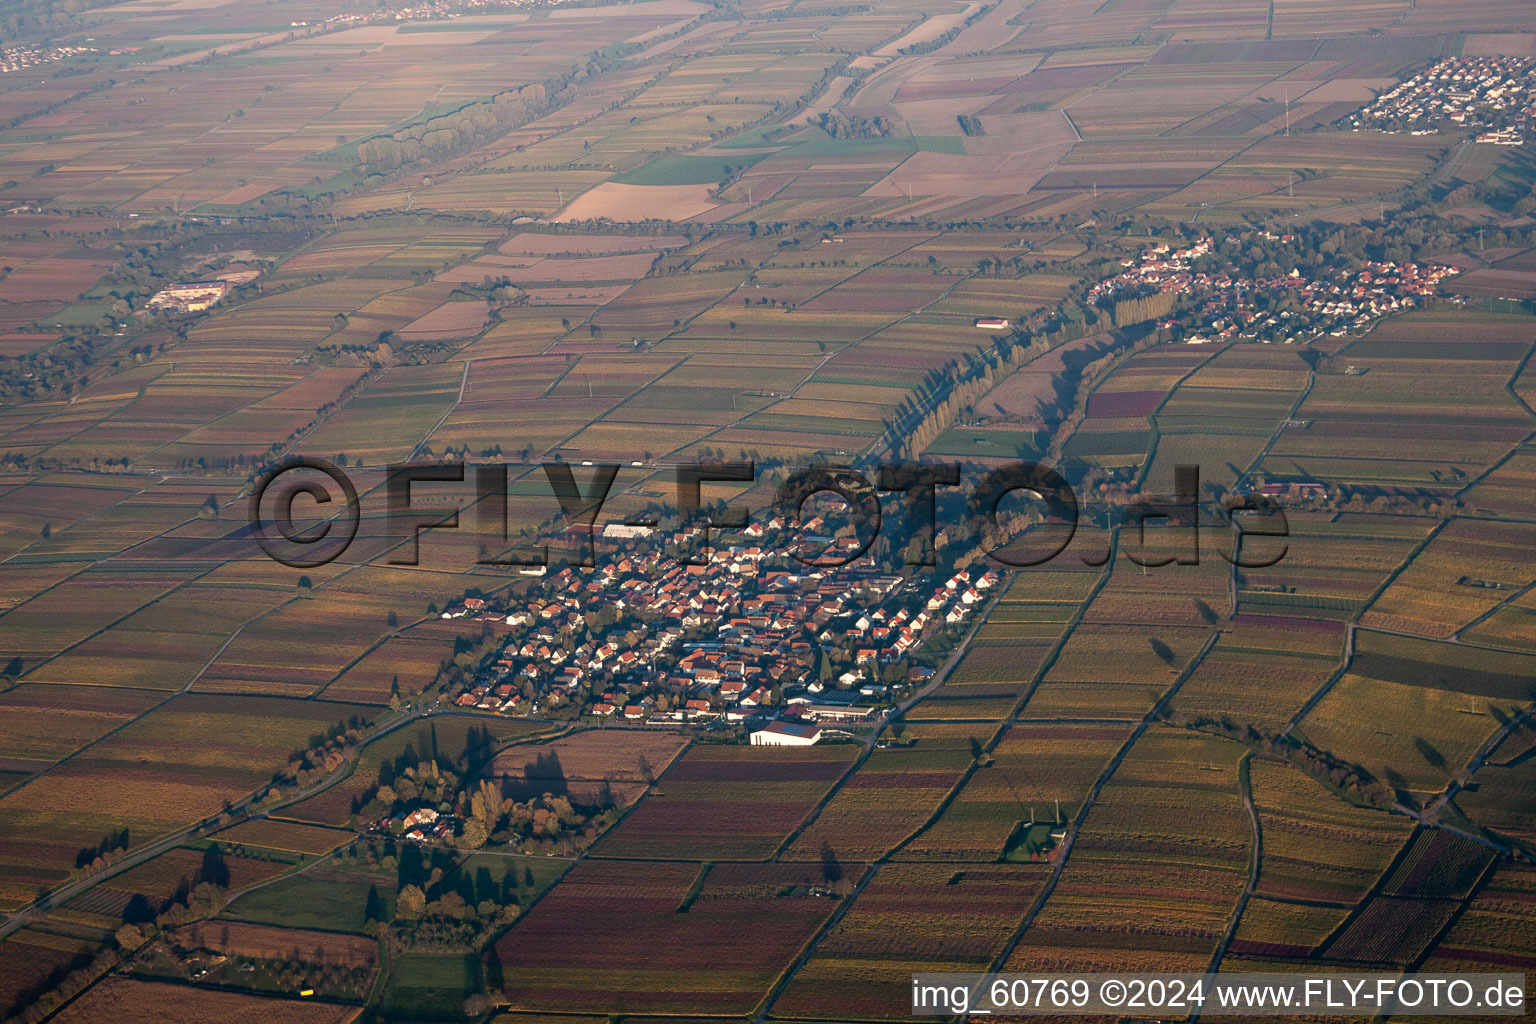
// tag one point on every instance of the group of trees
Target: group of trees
(1350, 781)
(111, 846)
(487, 811)
(844, 126)
(140, 922)
(32, 19)
(436, 137)
(946, 392)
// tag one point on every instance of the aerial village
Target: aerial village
(1495, 94)
(1290, 308)
(24, 58)
(791, 655)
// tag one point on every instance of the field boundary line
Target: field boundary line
(1154, 428)
(1274, 436)
(1081, 816)
(1012, 717)
(1255, 860)
(69, 888)
(1402, 567)
(1509, 385)
(760, 1012)
(1478, 760)
(463, 383)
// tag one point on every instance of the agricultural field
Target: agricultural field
(887, 799)
(1489, 931)
(862, 965)
(1271, 928)
(1262, 670)
(1145, 827)
(1221, 416)
(322, 898)
(1434, 596)
(1114, 672)
(1410, 734)
(31, 956)
(1035, 772)
(1332, 565)
(1318, 848)
(588, 766)
(175, 764)
(1497, 801)
(720, 802)
(1438, 380)
(640, 926)
(146, 1002)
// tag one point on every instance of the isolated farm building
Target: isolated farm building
(992, 323)
(786, 734)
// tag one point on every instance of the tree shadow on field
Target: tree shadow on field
(544, 774)
(1427, 750)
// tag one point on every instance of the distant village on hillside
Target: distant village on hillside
(25, 58)
(1496, 94)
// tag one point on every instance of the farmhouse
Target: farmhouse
(786, 734)
(420, 816)
(992, 323)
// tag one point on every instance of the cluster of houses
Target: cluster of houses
(429, 10)
(646, 638)
(1296, 308)
(1493, 93)
(24, 58)
(421, 825)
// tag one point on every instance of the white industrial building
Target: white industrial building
(786, 734)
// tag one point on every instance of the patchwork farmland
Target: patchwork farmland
(520, 741)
